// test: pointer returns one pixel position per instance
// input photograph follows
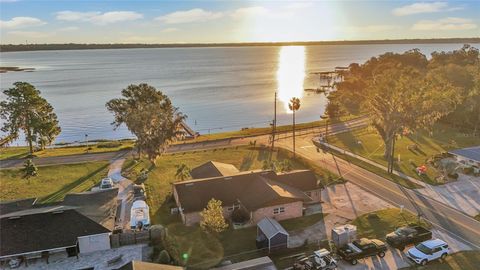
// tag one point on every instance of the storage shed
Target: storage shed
(271, 235)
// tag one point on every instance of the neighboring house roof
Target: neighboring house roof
(16, 205)
(270, 227)
(44, 231)
(213, 169)
(262, 263)
(472, 153)
(138, 265)
(253, 190)
(304, 180)
(100, 205)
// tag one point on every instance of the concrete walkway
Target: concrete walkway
(125, 187)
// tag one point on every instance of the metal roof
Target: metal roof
(270, 227)
(472, 153)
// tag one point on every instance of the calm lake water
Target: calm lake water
(220, 89)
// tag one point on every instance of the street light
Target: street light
(325, 117)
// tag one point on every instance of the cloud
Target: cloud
(258, 11)
(169, 30)
(423, 7)
(374, 28)
(68, 29)
(299, 5)
(450, 23)
(248, 11)
(8, 1)
(189, 16)
(21, 22)
(97, 17)
(31, 34)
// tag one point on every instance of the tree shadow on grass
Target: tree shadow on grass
(59, 194)
(247, 161)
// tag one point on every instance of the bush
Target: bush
(164, 257)
(109, 145)
(239, 215)
(468, 170)
(157, 234)
(453, 175)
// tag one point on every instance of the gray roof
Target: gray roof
(472, 153)
(270, 227)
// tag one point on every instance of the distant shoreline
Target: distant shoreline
(74, 46)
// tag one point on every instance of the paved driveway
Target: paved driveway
(463, 194)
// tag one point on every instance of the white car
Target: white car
(428, 251)
(106, 183)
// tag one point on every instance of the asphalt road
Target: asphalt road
(442, 216)
(80, 158)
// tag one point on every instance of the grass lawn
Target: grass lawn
(15, 152)
(395, 178)
(268, 130)
(206, 250)
(371, 147)
(463, 260)
(379, 223)
(477, 217)
(52, 182)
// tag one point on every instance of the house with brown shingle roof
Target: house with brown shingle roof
(262, 193)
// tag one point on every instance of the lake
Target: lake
(220, 89)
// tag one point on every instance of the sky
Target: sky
(121, 21)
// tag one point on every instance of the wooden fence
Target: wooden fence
(129, 238)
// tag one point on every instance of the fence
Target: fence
(129, 238)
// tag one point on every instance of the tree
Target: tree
(285, 165)
(212, 217)
(183, 172)
(150, 116)
(398, 91)
(294, 105)
(25, 110)
(29, 169)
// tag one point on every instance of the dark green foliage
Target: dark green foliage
(164, 257)
(150, 116)
(24, 110)
(29, 169)
(240, 215)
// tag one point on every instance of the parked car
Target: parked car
(139, 215)
(428, 251)
(106, 183)
(409, 235)
(320, 260)
(362, 248)
(139, 192)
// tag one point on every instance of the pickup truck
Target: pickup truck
(362, 248)
(409, 235)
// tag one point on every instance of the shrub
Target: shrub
(239, 215)
(109, 145)
(468, 170)
(164, 257)
(453, 175)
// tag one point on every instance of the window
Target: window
(278, 210)
(235, 206)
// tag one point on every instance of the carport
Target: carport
(271, 235)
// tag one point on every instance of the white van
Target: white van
(428, 251)
(106, 183)
(139, 215)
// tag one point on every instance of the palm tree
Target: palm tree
(294, 105)
(183, 172)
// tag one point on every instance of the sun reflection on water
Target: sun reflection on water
(290, 74)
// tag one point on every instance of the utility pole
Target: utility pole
(274, 126)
